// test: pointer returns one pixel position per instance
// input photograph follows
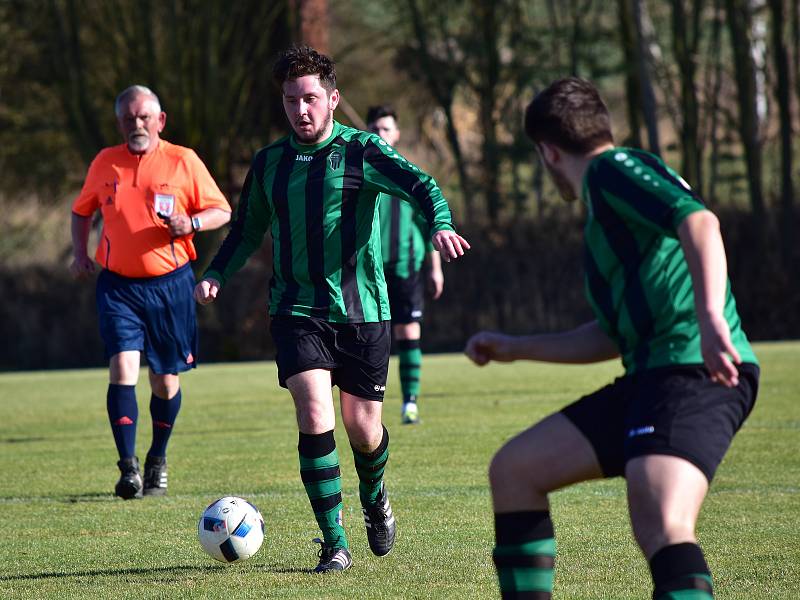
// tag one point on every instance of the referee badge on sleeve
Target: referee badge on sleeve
(165, 204)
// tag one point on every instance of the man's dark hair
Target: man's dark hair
(304, 60)
(570, 114)
(378, 112)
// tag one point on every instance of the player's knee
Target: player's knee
(505, 469)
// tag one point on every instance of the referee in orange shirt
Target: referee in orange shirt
(153, 197)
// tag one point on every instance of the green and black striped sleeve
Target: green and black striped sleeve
(253, 217)
(388, 172)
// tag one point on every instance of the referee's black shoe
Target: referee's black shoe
(130, 484)
(380, 523)
(155, 476)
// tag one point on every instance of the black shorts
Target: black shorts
(406, 298)
(356, 354)
(676, 410)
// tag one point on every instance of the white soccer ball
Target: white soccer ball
(231, 529)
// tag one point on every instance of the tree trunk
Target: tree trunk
(487, 99)
(783, 93)
(633, 93)
(644, 60)
(712, 92)
(738, 16)
(685, 39)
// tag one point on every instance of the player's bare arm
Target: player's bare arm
(449, 244)
(82, 265)
(435, 275)
(587, 343)
(183, 224)
(705, 254)
(205, 292)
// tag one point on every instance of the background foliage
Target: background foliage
(711, 85)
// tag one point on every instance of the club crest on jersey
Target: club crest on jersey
(165, 204)
(335, 159)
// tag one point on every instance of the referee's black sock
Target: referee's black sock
(680, 572)
(524, 554)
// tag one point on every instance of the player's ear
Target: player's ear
(162, 121)
(549, 153)
(333, 99)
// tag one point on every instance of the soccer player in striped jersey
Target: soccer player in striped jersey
(316, 192)
(405, 245)
(656, 278)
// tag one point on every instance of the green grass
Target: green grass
(66, 536)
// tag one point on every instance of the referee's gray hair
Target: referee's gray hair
(134, 90)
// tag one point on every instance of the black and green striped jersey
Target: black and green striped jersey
(404, 237)
(637, 278)
(320, 205)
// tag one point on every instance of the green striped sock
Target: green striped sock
(524, 555)
(410, 365)
(370, 468)
(319, 470)
(680, 572)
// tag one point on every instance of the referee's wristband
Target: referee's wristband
(196, 223)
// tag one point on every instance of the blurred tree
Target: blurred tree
(783, 94)
(644, 34)
(686, 34)
(739, 26)
(633, 86)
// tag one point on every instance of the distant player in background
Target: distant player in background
(656, 278)
(316, 192)
(154, 197)
(405, 245)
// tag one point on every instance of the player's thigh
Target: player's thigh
(301, 344)
(313, 400)
(361, 353)
(124, 368)
(550, 455)
(170, 319)
(665, 494)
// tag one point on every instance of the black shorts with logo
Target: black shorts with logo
(356, 354)
(406, 297)
(674, 410)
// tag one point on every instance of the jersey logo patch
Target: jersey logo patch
(335, 159)
(165, 204)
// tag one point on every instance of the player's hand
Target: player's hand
(206, 291)
(719, 354)
(489, 345)
(178, 224)
(82, 267)
(449, 244)
(435, 283)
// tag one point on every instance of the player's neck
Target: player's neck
(577, 165)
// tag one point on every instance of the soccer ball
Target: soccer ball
(231, 529)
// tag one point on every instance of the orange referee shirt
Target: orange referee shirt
(129, 190)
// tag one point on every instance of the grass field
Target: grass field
(66, 536)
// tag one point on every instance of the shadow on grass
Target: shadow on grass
(143, 571)
(22, 440)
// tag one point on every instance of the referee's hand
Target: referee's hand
(206, 291)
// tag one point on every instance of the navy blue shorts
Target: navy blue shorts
(406, 297)
(678, 411)
(154, 315)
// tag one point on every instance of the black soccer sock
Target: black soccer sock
(123, 413)
(319, 470)
(163, 412)
(410, 356)
(370, 468)
(524, 554)
(680, 572)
